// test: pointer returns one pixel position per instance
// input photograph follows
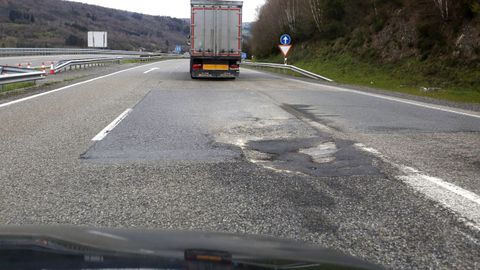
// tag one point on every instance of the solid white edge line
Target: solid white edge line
(473, 197)
(100, 136)
(75, 84)
(436, 189)
(150, 70)
(466, 194)
(400, 100)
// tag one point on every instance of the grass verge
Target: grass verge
(136, 61)
(438, 80)
(14, 86)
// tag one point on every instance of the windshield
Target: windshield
(350, 127)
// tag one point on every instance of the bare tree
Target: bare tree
(374, 4)
(443, 6)
(317, 13)
(291, 10)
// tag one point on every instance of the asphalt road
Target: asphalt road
(37, 61)
(389, 180)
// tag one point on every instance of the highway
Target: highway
(390, 180)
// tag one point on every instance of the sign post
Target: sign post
(285, 46)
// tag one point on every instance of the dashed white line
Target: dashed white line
(100, 136)
(150, 70)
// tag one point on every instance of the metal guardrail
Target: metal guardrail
(298, 70)
(15, 75)
(65, 64)
(59, 51)
(73, 64)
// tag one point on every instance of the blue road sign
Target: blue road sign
(178, 49)
(244, 55)
(285, 39)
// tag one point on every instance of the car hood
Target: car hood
(173, 244)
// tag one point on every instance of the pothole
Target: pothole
(289, 146)
(322, 153)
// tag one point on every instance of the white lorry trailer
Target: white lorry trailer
(216, 39)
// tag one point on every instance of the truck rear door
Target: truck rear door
(216, 31)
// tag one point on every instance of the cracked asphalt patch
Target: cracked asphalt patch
(292, 155)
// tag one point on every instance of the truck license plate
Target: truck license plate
(215, 67)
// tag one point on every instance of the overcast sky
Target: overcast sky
(172, 8)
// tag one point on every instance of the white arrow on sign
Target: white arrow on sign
(285, 49)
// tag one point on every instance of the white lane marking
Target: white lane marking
(75, 84)
(100, 136)
(459, 200)
(401, 100)
(420, 179)
(150, 70)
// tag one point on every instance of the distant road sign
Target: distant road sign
(285, 49)
(97, 39)
(178, 49)
(285, 39)
(244, 55)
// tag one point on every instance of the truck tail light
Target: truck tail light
(234, 67)
(197, 66)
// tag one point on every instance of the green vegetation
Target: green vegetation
(14, 86)
(425, 48)
(136, 61)
(130, 61)
(453, 83)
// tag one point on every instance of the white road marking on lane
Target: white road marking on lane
(400, 100)
(100, 136)
(75, 84)
(459, 200)
(150, 70)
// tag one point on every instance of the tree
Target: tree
(73, 40)
(318, 13)
(326, 12)
(443, 7)
(290, 10)
(14, 15)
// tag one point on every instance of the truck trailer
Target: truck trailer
(216, 39)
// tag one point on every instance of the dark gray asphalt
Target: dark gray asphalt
(259, 155)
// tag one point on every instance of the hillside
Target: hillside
(401, 45)
(55, 23)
